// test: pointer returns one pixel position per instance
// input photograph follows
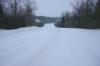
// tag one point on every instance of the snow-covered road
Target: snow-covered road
(49, 46)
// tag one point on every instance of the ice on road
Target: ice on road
(49, 46)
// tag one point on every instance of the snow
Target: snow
(49, 46)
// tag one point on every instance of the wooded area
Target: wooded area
(86, 14)
(17, 13)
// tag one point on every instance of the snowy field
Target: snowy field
(49, 46)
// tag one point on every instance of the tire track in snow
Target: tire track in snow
(18, 48)
(24, 56)
(39, 60)
(51, 47)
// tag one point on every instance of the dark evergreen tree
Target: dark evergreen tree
(97, 15)
(62, 24)
(1, 9)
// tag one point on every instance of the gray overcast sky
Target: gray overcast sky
(53, 8)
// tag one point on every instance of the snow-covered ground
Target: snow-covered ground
(49, 46)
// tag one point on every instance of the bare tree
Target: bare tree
(30, 6)
(1, 8)
(18, 13)
(84, 12)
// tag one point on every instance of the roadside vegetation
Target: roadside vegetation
(86, 14)
(17, 13)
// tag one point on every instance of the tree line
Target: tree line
(86, 14)
(17, 13)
